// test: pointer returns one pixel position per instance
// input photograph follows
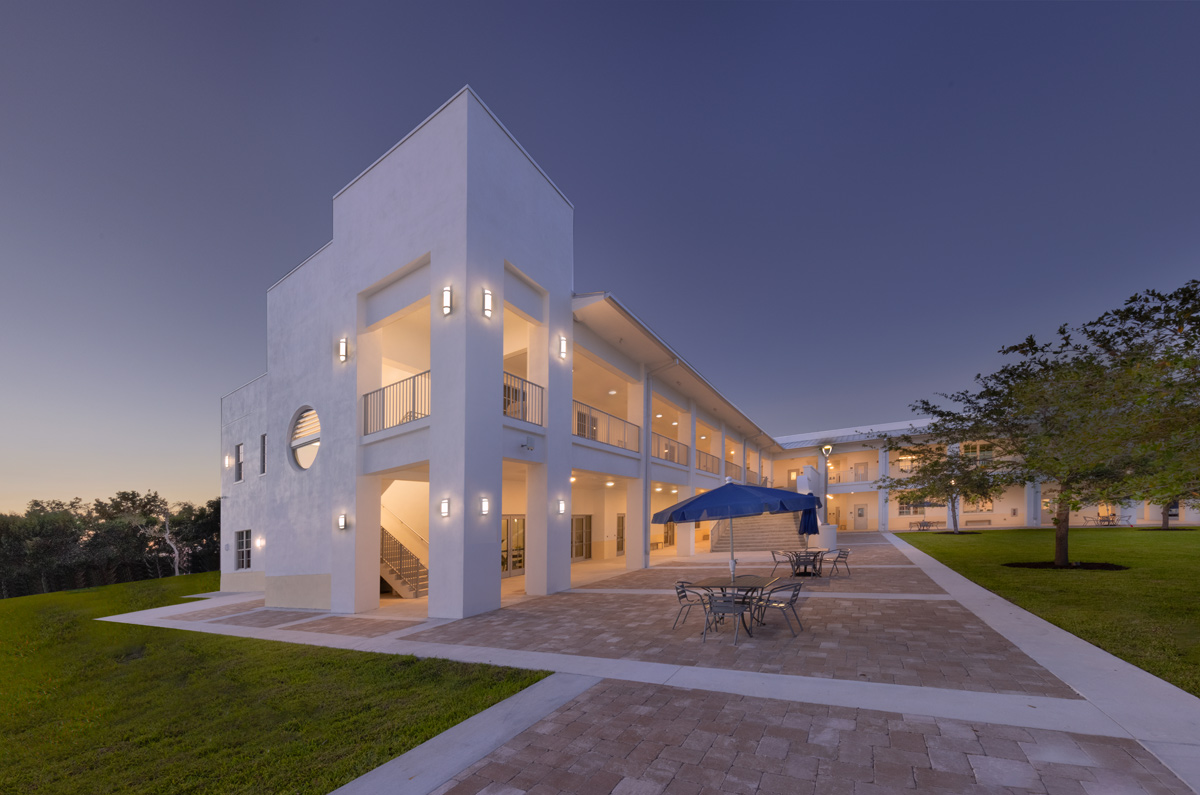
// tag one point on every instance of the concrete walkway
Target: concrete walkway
(906, 677)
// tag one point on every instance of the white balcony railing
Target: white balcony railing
(396, 404)
(599, 426)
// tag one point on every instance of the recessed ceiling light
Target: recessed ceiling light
(612, 391)
(658, 488)
(703, 437)
(610, 483)
(658, 416)
(674, 423)
(674, 491)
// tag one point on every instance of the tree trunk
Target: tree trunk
(953, 505)
(1062, 525)
(1166, 516)
(44, 590)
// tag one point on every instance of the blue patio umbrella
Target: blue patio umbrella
(734, 500)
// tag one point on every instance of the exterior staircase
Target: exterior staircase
(758, 533)
(402, 570)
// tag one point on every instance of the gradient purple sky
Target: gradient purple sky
(830, 209)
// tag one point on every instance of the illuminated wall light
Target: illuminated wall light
(562, 347)
(572, 478)
(487, 302)
(562, 506)
(260, 542)
(341, 521)
(343, 349)
(484, 506)
(446, 507)
(228, 461)
(446, 300)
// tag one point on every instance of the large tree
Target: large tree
(941, 473)
(1150, 348)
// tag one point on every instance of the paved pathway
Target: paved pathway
(906, 677)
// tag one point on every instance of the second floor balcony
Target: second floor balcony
(669, 450)
(599, 426)
(396, 404)
(523, 400)
(707, 462)
(733, 470)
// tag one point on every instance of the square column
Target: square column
(883, 493)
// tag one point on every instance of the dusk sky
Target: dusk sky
(830, 210)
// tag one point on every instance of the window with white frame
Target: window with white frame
(911, 509)
(906, 464)
(238, 458)
(306, 438)
(979, 506)
(242, 545)
(978, 451)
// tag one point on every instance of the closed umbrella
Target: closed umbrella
(735, 499)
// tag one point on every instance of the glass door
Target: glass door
(512, 546)
(581, 538)
(620, 534)
(669, 534)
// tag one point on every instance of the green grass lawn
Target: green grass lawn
(89, 706)
(1148, 615)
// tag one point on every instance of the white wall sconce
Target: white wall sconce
(562, 507)
(446, 300)
(827, 449)
(260, 542)
(446, 507)
(484, 506)
(562, 346)
(228, 461)
(487, 302)
(341, 521)
(343, 349)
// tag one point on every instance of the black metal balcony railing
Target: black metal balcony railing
(599, 426)
(733, 470)
(523, 400)
(396, 404)
(708, 463)
(668, 449)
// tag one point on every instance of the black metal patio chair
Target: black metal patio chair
(689, 597)
(782, 598)
(718, 606)
(839, 557)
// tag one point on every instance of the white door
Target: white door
(860, 472)
(860, 517)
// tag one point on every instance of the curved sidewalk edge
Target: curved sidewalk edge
(437, 760)
(1163, 718)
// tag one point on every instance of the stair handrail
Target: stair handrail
(404, 524)
(403, 563)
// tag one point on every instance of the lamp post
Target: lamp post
(826, 450)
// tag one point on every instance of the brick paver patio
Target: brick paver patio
(932, 644)
(634, 739)
(909, 579)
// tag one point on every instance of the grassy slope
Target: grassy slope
(1148, 615)
(90, 706)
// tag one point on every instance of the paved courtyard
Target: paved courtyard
(905, 678)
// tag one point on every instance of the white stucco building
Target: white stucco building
(441, 410)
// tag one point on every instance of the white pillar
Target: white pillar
(883, 493)
(1033, 505)
(823, 472)
(685, 533)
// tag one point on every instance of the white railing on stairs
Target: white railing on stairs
(406, 566)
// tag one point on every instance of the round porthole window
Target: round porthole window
(306, 438)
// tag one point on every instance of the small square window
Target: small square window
(242, 537)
